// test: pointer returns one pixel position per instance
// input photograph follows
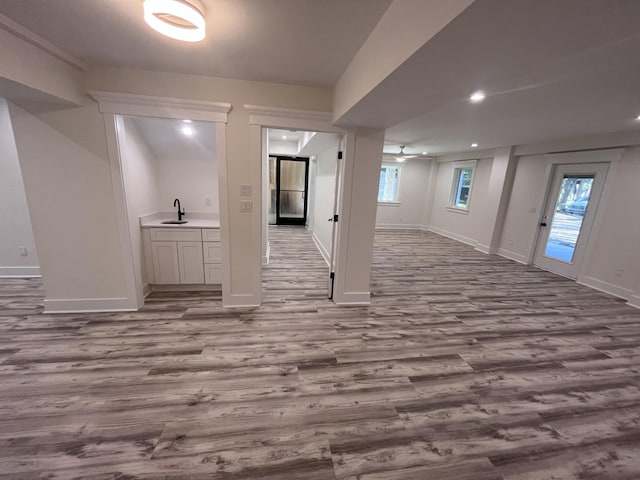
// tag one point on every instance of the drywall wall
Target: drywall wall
(465, 226)
(15, 222)
(141, 186)
(324, 195)
(243, 228)
(521, 221)
(281, 147)
(65, 167)
(613, 261)
(192, 179)
(412, 193)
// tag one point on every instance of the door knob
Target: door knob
(543, 224)
(331, 219)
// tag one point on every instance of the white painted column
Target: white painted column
(363, 159)
(503, 172)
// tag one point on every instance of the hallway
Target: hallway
(465, 366)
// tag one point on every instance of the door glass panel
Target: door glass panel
(571, 206)
(292, 188)
(273, 162)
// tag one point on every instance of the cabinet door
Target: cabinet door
(212, 273)
(191, 262)
(165, 262)
(212, 252)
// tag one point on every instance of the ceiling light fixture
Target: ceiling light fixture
(186, 121)
(474, 145)
(188, 131)
(424, 153)
(400, 159)
(179, 19)
(638, 117)
(284, 137)
(477, 97)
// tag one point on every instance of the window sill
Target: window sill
(464, 211)
(389, 204)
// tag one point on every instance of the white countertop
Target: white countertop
(194, 220)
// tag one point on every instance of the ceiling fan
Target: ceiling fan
(402, 156)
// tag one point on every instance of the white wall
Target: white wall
(15, 222)
(324, 194)
(520, 226)
(65, 167)
(282, 147)
(141, 186)
(414, 181)
(463, 226)
(194, 180)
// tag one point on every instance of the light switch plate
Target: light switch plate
(246, 205)
(245, 190)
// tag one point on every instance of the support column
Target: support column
(503, 172)
(359, 200)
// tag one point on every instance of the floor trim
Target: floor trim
(321, 248)
(82, 305)
(9, 272)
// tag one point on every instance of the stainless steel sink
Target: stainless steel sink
(174, 222)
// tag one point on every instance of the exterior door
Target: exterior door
(569, 213)
(291, 195)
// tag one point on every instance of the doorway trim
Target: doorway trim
(284, 118)
(111, 104)
(611, 156)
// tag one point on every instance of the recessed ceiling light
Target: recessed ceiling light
(424, 153)
(186, 120)
(284, 137)
(477, 97)
(179, 19)
(188, 131)
(474, 145)
(638, 117)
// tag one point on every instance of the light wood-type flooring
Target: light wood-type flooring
(464, 367)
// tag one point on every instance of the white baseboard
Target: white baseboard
(397, 226)
(89, 305)
(606, 287)
(634, 301)
(485, 249)
(517, 257)
(8, 272)
(265, 259)
(352, 298)
(241, 300)
(321, 249)
(146, 290)
(453, 236)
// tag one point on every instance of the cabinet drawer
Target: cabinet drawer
(213, 273)
(176, 235)
(210, 234)
(212, 252)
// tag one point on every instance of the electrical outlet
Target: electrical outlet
(23, 251)
(207, 202)
(245, 190)
(246, 206)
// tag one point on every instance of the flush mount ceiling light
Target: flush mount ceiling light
(474, 145)
(477, 97)
(186, 121)
(188, 131)
(178, 19)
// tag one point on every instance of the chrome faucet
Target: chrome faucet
(180, 212)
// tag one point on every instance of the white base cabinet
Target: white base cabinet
(183, 256)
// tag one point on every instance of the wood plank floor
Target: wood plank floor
(465, 367)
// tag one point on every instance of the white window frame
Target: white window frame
(458, 167)
(397, 196)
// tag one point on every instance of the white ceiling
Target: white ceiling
(551, 69)
(165, 139)
(308, 42)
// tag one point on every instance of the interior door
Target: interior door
(291, 195)
(569, 213)
(335, 218)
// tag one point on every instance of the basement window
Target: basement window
(461, 187)
(389, 184)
